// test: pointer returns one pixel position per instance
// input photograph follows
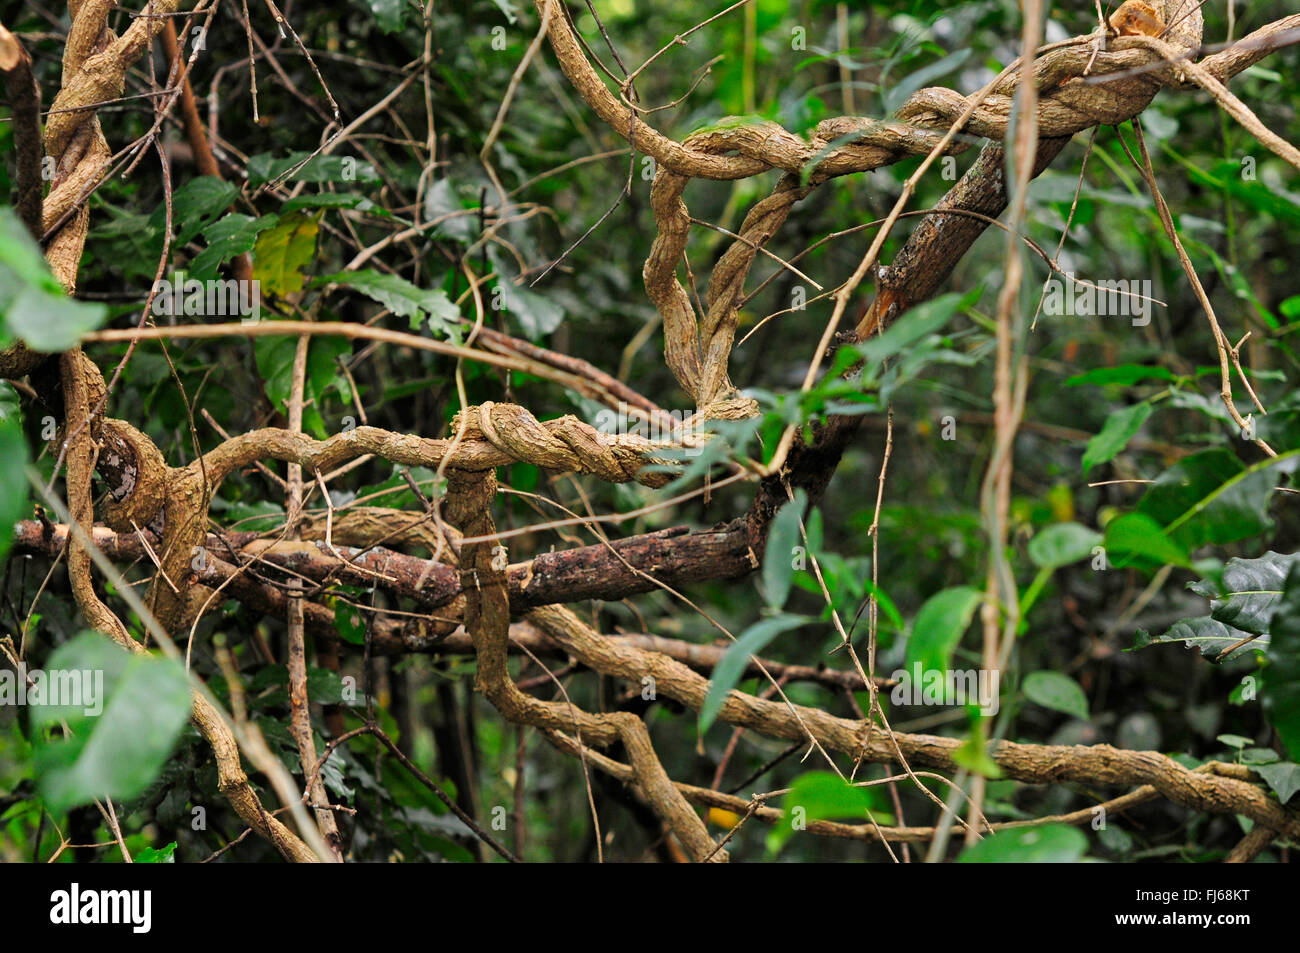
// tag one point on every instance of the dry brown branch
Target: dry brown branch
(487, 620)
(1099, 765)
(299, 715)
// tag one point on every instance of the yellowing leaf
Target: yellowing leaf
(282, 252)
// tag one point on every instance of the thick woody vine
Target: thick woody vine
(467, 594)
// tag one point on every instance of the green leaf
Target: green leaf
(275, 357)
(195, 204)
(136, 240)
(814, 528)
(13, 480)
(1136, 534)
(1125, 375)
(282, 252)
(162, 855)
(778, 556)
(914, 324)
(323, 686)
(50, 322)
(1241, 285)
(884, 603)
(389, 14)
(1283, 777)
(318, 169)
(1259, 756)
(973, 755)
(32, 303)
(925, 76)
(395, 492)
(233, 235)
(736, 659)
(939, 626)
(1049, 844)
(536, 315)
(10, 404)
(1061, 544)
(1208, 635)
(121, 750)
(1234, 741)
(22, 255)
(1226, 177)
(1057, 692)
(1247, 592)
(1119, 429)
(328, 200)
(824, 796)
(442, 202)
(1280, 681)
(1211, 408)
(1210, 497)
(403, 298)
(349, 623)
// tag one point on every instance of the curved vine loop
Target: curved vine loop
(697, 348)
